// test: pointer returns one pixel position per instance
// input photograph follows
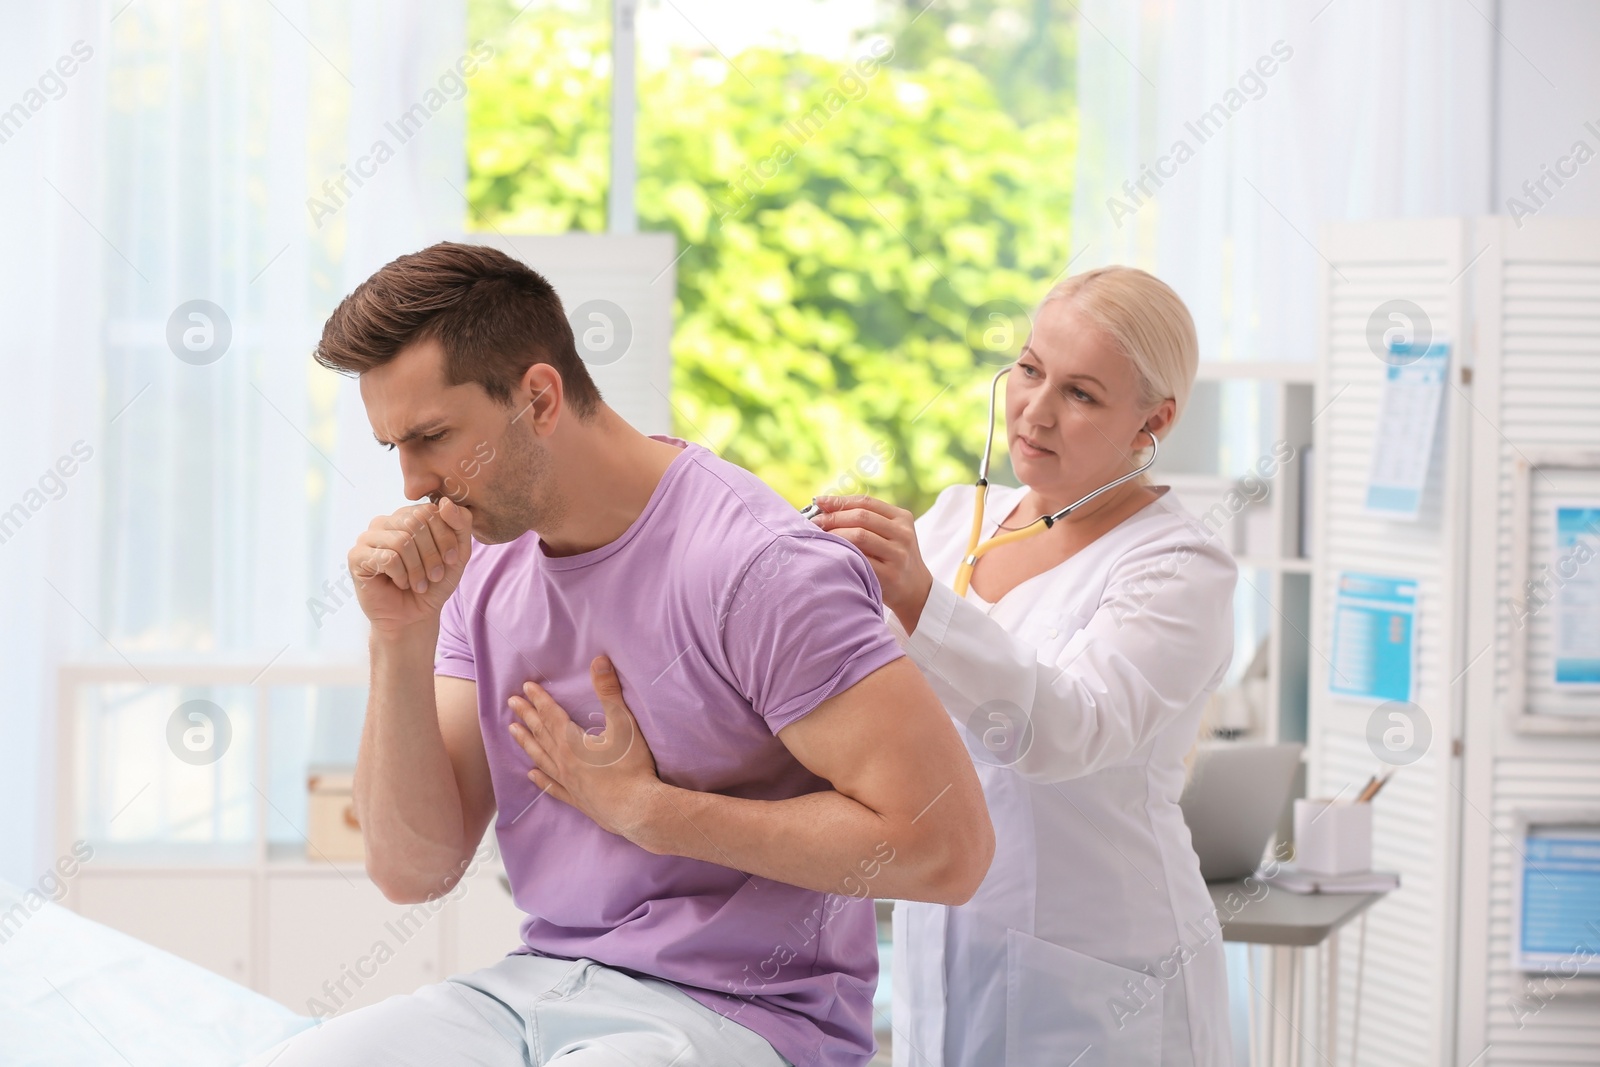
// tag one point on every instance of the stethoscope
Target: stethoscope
(976, 546)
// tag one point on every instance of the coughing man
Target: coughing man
(700, 744)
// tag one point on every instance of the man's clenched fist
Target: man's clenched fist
(407, 564)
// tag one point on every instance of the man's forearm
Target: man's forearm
(406, 795)
(822, 841)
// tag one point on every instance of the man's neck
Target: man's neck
(606, 479)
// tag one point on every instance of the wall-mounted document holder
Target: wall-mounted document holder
(1554, 683)
(1555, 894)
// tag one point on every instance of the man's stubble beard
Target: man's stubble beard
(519, 491)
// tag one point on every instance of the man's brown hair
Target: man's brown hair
(493, 316)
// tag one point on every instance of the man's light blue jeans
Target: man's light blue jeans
(527, 1011)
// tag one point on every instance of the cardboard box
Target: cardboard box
(332, 831)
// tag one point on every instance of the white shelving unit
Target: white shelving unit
(209, 860)
(1242, 419)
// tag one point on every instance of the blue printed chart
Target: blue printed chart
(1576, 570)
(1560, 891)
(1374, 637)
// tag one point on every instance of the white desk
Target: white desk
(1289, 924)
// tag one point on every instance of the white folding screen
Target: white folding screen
(1537, 393)
(1407, 990)
(1519, 430)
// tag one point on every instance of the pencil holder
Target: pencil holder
(1332, 838)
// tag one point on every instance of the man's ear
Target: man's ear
(538, 397)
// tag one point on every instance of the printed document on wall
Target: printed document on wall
(1576, 576)
(1556, 896)
(1408, 414)
(1374, 637)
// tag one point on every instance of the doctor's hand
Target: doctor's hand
(607, 773)
(887, 535)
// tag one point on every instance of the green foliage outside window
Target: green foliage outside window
(844, 222)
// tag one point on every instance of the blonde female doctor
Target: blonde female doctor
(1078, 661)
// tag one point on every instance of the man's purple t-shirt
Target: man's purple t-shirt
(728, 617)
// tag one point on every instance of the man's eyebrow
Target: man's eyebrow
(414, 432)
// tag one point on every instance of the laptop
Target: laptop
(1233, 802)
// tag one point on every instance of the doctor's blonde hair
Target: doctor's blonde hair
(1147, 321)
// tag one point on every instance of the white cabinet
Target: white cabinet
(314, 937)
(333, 945)
(204, 917)
(486, 923)
(207, 858)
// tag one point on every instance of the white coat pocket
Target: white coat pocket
(1062, 1004)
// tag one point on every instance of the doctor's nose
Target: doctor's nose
(1037, 411)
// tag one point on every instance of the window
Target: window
(868, 205)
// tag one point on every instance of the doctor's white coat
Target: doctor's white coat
(1092, 939)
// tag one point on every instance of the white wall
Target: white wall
(1549, 101)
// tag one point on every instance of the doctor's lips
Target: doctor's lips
(1031, 443)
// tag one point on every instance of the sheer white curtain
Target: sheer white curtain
(51, 263)
(1288, 115)
(261, 159)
